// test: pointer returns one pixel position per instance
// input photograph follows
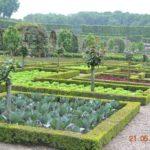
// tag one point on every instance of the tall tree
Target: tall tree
(65, 38)
(11, 40)
(8, 7)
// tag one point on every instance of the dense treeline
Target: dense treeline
(92, 18)
(117, 30)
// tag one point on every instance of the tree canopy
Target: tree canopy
(65, 39)
(116, 18)
(8, 7)
(11, 40)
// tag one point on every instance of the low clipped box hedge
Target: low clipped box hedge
(105, 84)
(64, 75)
(142, 99)
(92, 140)
(85, 69)
(109, 83)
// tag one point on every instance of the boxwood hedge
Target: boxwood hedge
(93, 140)
(142, 99)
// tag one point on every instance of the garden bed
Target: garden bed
(85, 69)
(117, 114)
(120, 79)
(61, 113)
(24, 81)
(142, 99)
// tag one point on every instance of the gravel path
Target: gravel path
(138, 131)
(139, 127)
(4, 146)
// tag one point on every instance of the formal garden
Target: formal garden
(71, 90)
(67, 100)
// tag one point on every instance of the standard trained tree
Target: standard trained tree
(11, 40)
(92, 57)
(5, 71)
(129, 57)
(59, 52)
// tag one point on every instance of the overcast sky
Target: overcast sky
(73, 6)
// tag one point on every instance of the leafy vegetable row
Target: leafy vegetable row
(57, 112)
(25, 79)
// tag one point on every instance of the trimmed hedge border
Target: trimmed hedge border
(64, 75)
(87, 78)
(93, 140)
(102, 83)
(87, 70)
(142, 99)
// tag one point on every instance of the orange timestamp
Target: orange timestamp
(142, 138)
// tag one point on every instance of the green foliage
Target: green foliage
(129, 55)
(60, 50)
(58, 113)
(133, 46)
(5, 23)
(27, 76)
(116, 44)
(135, 38)
(24, 50)
(92, 58)
(120, 44)
(90, 41)
(116, 19)
(145, 58)
(111, 44)
(5, 70)
(20, 79)
(111, 30)
(75, 46)
(8, 7)
(94, 140)
(140, 46)
(35, 37)
(92, 55)
(11, 40)
(65, 38)
(129, 59)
